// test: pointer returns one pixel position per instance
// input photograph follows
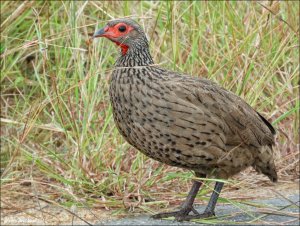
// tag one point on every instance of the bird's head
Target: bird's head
(126, 33)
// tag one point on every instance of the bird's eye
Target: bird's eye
(122, 28)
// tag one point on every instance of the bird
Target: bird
(184, 121)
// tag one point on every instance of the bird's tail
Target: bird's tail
(264, 163)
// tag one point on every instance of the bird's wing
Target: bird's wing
(245, 125)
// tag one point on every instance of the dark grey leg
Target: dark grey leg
(186, 207)
(210, 208)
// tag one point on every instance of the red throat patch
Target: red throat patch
(123, 47)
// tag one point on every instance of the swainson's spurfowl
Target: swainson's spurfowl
(184, 121)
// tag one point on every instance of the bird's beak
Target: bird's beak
(100, 33)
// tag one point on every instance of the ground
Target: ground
(278, 196)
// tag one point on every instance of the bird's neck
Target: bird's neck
(135, 55)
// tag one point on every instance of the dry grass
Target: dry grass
(57, 133)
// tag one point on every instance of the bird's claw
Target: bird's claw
(177, 214)
(183, 214)
(196, 216)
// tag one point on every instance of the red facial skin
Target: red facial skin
(113, 32)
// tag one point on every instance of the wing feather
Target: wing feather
(244, 123)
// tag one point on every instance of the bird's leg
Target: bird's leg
(210, 208)
(186, 207)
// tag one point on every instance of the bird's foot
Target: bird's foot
(196, 216)
(183, 214)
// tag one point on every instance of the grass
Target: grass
(57, 132)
